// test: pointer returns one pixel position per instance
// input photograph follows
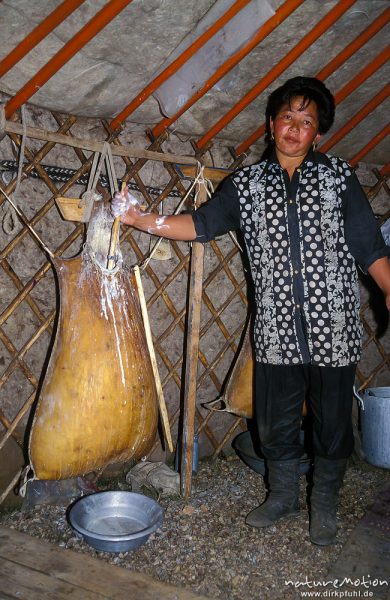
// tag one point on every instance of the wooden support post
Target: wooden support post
(191, 367)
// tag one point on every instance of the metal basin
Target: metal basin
(115, 521)
(243, 445)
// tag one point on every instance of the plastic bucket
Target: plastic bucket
(375, 425)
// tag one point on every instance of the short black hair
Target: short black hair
(311, 89)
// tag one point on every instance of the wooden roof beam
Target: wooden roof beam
(364, 74)
(39, 32)
(177, 63)
(280, 15)
(365, 36)
(96, 24)
(332, 66)
(357, 118)
(333, 15)
(370, 145)
(385, 170)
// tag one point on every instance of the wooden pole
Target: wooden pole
(113, 243)
(178, 62)
(94, 145)
(191, 367)
(160, 394)
(357, 118)
(78, 41)
(17, 419)
(10, 486)
(39, 32)
(114, 239)
(370, 145)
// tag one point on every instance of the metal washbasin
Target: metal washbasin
(115, 521)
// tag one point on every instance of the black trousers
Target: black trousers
(279, 395)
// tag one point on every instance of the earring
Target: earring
(314, 146)
(272, 136)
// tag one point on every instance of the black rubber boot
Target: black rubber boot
(327, 481)
(283, 477)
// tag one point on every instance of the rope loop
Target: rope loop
(99, 159)
(25, 479)
(202, 181)
(199, 181)
(23, 219)
(10, 223)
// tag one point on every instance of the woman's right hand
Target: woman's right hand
(174, 227)
(123, 203)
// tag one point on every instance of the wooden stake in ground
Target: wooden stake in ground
(148, 332)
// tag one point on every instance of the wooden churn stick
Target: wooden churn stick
(114, 238)
(148, 332)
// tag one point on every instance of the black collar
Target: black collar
(318, 158)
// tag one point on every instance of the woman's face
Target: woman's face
(295, 128)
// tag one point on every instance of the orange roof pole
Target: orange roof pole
(333, 15)
(178, 62)
(280, 15)
(385, 170)
(96, 24)
(371, 144)
(243, 147)
(359, 116)
(38, 34)
(364, 74)
(364, 37)
(332, 66)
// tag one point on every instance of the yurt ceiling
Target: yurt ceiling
(200, 69)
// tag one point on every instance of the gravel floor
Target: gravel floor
(204, 543)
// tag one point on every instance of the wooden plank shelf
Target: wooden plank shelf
(31, 569)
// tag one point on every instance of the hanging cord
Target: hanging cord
(25, 478)
(235, 241)
(9, 223)
(97, 165)
(22, 147)
(26, 224)
(114, 243)
(9, 215)
(91, 195)
(199, 180)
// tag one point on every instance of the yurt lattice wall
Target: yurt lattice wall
(52, 169)
(28, 295)
(28, 286)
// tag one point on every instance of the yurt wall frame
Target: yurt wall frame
(12, 419)
(207, 328)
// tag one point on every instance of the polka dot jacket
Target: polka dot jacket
(302, 237)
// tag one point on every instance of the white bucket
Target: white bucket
(375, 422)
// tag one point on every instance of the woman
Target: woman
(305, 221)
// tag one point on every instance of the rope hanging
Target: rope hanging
(9, 215)
(200, 180)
